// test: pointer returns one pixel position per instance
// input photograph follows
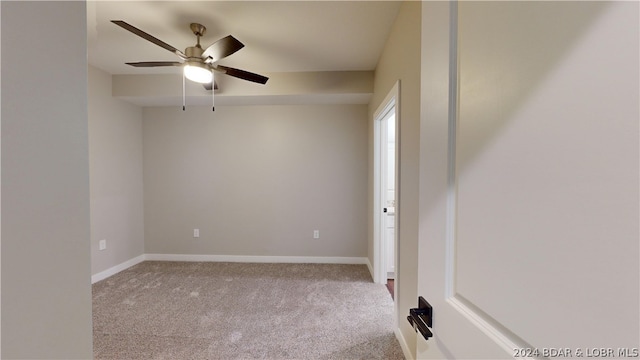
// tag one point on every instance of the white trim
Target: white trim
(116, 269)
(370, 267)
(452, 190)
(403, 344)
(501, 339)
(258, 259)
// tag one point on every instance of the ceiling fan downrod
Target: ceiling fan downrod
(198, 30)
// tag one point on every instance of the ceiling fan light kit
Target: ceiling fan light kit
(198, 72)
(199, 64)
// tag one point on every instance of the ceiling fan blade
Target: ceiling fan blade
(208, 86)
(244, 75)
(154, 63)
(148, 37)
(222, 48)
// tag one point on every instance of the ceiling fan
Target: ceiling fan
(198, 64)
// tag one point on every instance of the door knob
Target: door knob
(421, 318)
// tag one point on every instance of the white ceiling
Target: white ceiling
(279, 36)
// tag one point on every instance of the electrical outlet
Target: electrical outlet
(102, 244)
(316, 234)
(196, 233)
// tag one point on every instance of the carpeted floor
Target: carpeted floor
(173, 310)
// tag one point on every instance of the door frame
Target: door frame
(391, 101)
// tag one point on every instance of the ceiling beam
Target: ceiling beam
(328, 87)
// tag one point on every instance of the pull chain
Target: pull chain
(213, 92)
(183, 93)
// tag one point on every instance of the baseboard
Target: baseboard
(259, 259)
(116, 269)
(230, 258)
(370, 267)
(403, 344)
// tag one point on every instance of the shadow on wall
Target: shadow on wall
(494, 86)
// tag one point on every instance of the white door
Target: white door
(385, 214)
(389, 122)
(529, 179)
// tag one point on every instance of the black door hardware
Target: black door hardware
(384, 210)
(421, 318)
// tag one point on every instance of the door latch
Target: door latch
(421, 318)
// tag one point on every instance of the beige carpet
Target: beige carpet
(173, 310)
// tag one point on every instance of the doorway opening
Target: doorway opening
(386, 190)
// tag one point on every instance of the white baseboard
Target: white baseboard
(403, 344)
(116, 269)
(259, 259)
(370, 267)
(230, 258)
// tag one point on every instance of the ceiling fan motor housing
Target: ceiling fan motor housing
(194, 52)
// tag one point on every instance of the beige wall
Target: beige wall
(256, 180)
(434, 142)
(115, 155)
(401, 61)
(46, 288)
